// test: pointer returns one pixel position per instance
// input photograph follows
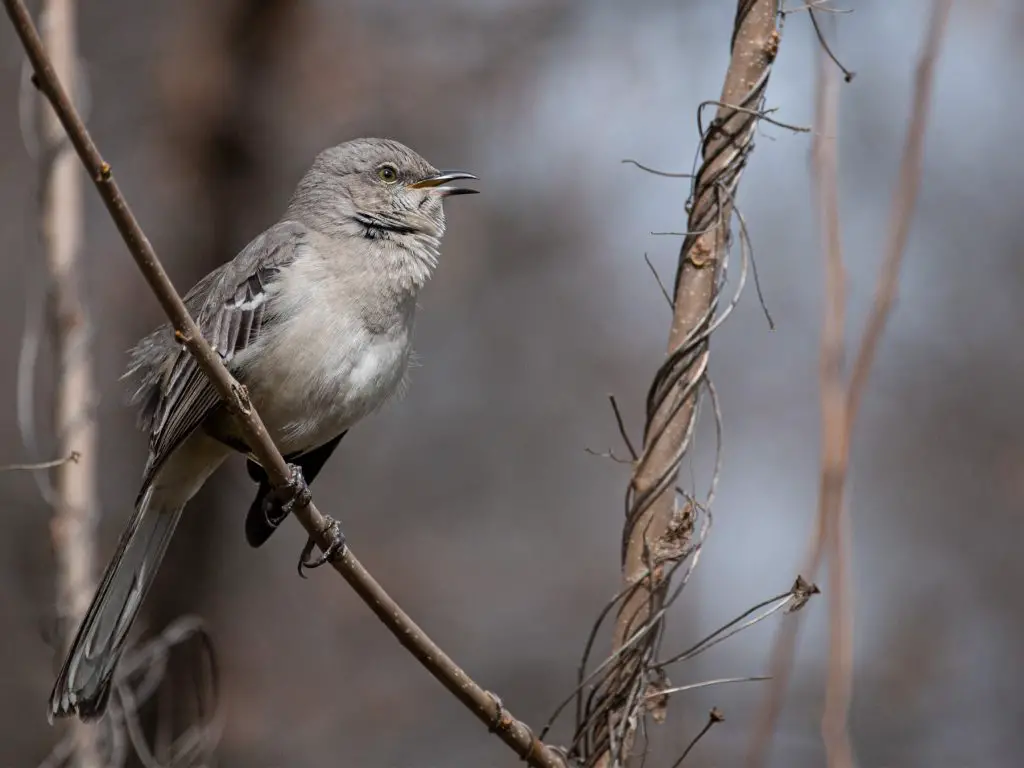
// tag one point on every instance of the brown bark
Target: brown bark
(653, 523)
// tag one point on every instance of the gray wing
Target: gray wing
(230, 307)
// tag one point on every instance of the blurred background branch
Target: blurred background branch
(74, 497)
(840, 394)
(210, 98)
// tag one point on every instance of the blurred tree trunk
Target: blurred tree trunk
(221, 59)
(73, 525)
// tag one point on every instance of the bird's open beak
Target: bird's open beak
(438, 182)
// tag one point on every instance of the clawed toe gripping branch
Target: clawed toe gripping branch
(335, 548)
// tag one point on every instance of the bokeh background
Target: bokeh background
(472, 499)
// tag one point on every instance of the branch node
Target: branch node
(771, 48)
(802, 591)
(500, 715)
(700, 256)
(241, 399)
(656, 697)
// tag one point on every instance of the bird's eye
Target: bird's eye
(388, 174)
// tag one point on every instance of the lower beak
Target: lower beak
(437, 182)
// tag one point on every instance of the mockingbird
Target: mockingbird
(314, 317)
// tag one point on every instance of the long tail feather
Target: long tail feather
(84, 683)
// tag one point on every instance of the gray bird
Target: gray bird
(315, 318)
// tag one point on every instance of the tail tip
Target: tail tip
(66, 703)
(62, 704)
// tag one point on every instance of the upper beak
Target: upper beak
(443, 178)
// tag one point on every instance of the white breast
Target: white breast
(319, 368)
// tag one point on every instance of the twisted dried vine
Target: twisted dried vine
(665, 527)
(660, 533)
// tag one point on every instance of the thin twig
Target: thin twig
(609, 454)
(817, 5)
(835, 443)
(713, 717)
(847, 74)
(661, 285)
(724, 632)
(623, 432)
(71, 457)
(901, 211)
(705, 684)
(656, 172)
(481, 703)
(762, 115)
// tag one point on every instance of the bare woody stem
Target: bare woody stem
(841, 397)
(481, 703)
(652, 515)
(73, 500)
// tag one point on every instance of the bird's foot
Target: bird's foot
(281, 502)
(335, 547)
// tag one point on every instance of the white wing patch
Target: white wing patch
(187, 396)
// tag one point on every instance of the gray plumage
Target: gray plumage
(315, 317)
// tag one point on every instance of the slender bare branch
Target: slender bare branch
(848, 75)
(661, 285)
(31, 467)
(840, 400)
(705, 684)
(714, 716)
(901, 211)
(73, 499)
(656, 172)
(834, 435)
(729, 629)
(763, 115)
(484, 705)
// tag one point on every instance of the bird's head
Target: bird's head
(376, 187)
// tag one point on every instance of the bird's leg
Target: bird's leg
(335, 546)
(281, 502)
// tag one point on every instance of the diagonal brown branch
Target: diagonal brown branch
(480, 702)
(835, 444)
